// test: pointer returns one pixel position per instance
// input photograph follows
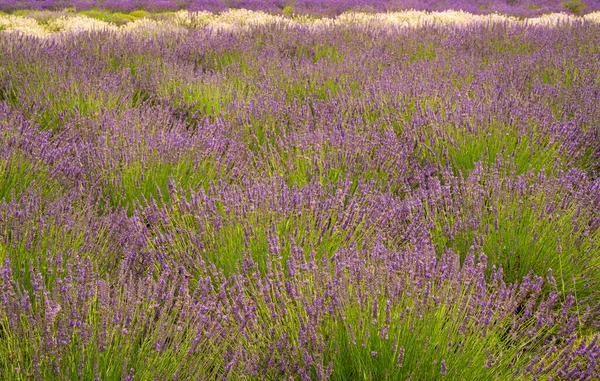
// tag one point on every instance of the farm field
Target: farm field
(344, 191)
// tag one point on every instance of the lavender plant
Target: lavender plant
(112, 9)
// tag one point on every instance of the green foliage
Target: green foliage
(460, 148)
(147, 342)
(427, 339)
(37, 247)
(203, 98)
(22, 12)
(149, 180)
(227, 237)
(423, 52)
(366, 334)
(575, 6)
(118, 18)
(288, 10)
(140, 14)
(520, 233)
(327, 53)
(17, 174)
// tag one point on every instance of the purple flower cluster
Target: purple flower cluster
(294, 203)
(319, 7)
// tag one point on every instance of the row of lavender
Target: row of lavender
(288, 203)
(317, 7)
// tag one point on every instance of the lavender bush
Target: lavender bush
(402, 196)
(314, 7)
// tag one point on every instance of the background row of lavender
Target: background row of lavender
(318, 7)
(288, 203)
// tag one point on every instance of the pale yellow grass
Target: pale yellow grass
(241, 20)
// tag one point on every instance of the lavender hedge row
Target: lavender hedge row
(522, 8)
(289, 203)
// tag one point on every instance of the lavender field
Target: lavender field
(343, 191)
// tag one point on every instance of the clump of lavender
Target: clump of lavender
(24, 155)
(82, 326)
(529, 222)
